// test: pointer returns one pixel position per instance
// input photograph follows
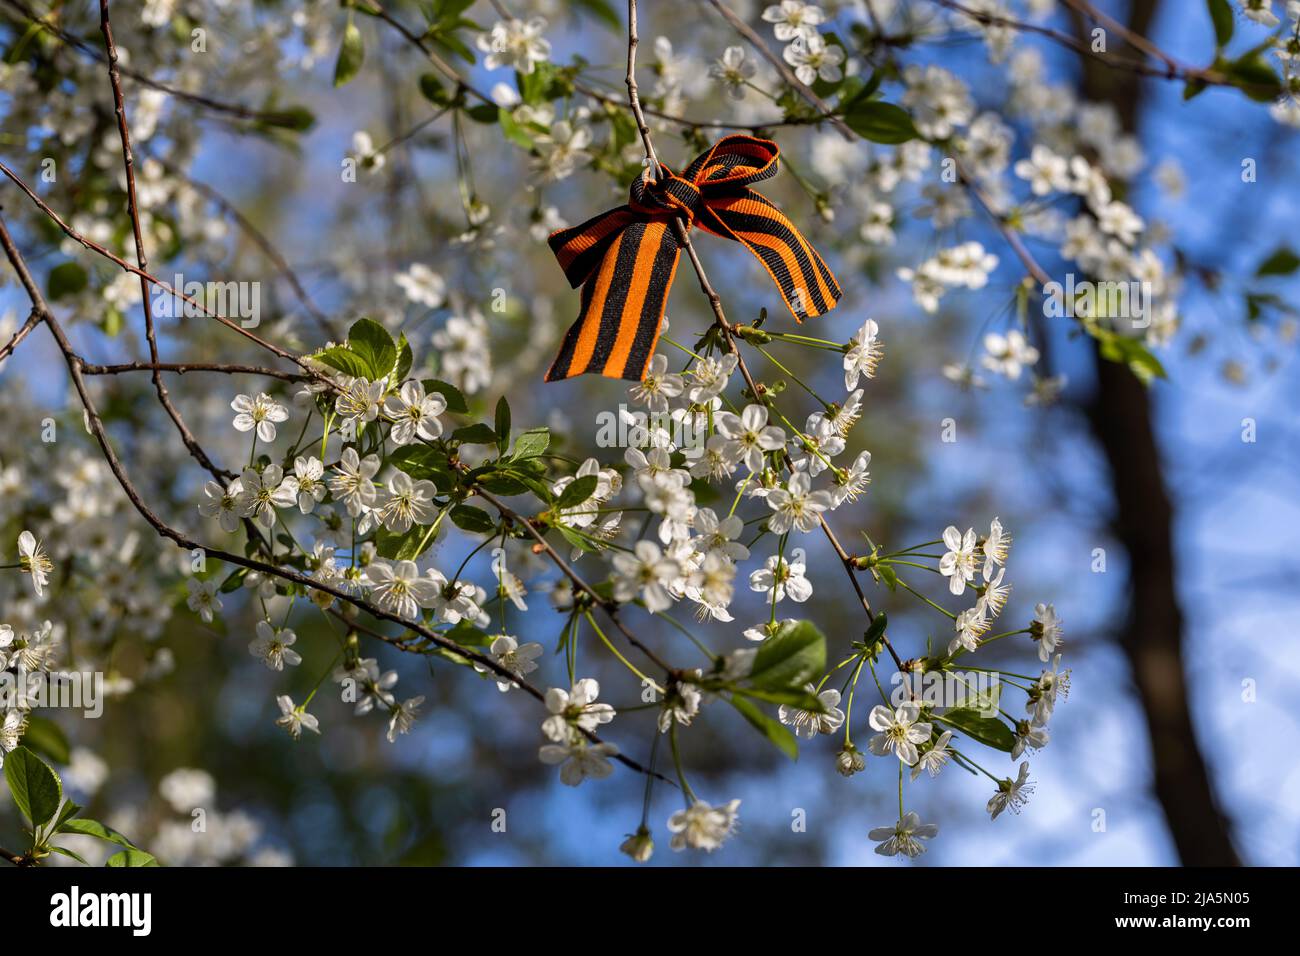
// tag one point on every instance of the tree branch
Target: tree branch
(95, 247)
(720, 317)
(182, 367)
(75, 369)
(141, 258)
(17, 859)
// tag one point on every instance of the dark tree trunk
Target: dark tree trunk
(1120, 416)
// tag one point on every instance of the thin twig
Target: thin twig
(238, 111)
(7, 349)
(141, 258)
(262, 242)
(17, 859)
(518, 682)
(632, 95)
(756, 41)
(1135, 40)
(1176, 71)
(999, 221)
(685, 122)
(121, 263)
(182, 367)
(442, 66)
(610, 607)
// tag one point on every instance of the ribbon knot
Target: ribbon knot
(625, 258)
(671, 193)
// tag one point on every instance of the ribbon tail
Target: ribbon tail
(579, 249)
(623, 303)
(805, 282)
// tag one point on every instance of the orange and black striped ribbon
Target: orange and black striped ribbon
(625, 258)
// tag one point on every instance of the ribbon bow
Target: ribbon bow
(625, 258)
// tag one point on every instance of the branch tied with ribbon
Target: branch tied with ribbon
(625, 258)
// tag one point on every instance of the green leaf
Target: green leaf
(1282, 262)
(768, 726)
(889, 576)
(112, 322)
(234, 582)
(467, 635)
(789, 659)
(575, 540)
(399, 545)
(131, 858)
(540, 85)
(431, 89)
(74, 855)
(982, 702)
(880, 122)
(1221, 15)
(877, 628)
(345, 360)
(987, 730)
(299, 119)
(532, 443)
(603, 11)
(35, 787)
(476, 434)
(512, 131)
(374, 346)
(447, 11)
(66, 812)
(503, 424)
(1131, 352)
(855, 90)
(577, 491)
(45, 736)
(1257, 302)
(352, 52)
(1256, 77)
(451, 43)
(469, 518)
(501, 483)
(96, 829)
(456, 403)
(404, 359)
(800, 697)
(67, 278)
(424, 463)
(445, 20)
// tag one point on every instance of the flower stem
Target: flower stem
(613, 650)
(922, 597)
(848, 707)
(677, 764)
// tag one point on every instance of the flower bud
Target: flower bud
(639, 846)
(850, 761)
